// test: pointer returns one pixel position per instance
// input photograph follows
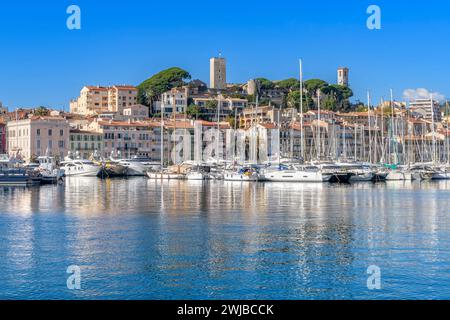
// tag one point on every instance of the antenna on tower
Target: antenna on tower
(220, 54)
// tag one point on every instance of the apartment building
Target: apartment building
(259, 115)
(97, 100)
(121, 97)
(175, 101)
(130, 138)
(229, 106)
(137, 112)
(427, 109)
(38, 136)
(2, 137)
(86, 143)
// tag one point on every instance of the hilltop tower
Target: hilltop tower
(218, 73)
(343, 76)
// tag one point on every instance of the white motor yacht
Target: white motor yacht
(80, 168)
(283, 173)
(138, 166)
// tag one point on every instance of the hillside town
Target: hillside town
(304, 120)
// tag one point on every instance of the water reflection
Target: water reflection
(148, 239)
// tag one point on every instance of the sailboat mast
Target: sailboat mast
(370, 133)
(162, 132)
(318, 124)
(391, 140)
(356, 142)
(218, 127)
(433, 130)
(302, 135)
(446, 133)
(383, 144)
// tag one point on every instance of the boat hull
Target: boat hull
(18, 181)
(164, 176)
(240, 177)
(91, 171)
(340, 177)
(399, 176)
(195, 176)
(294, 176)
(362, 177)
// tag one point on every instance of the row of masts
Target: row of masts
(374, 147)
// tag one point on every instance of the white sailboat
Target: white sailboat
(162, 174)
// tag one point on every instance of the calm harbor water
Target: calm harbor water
(142, 239)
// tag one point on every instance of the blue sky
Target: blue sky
(125, 42)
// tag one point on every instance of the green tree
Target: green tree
(194, 111)
(264, 83)
(313, 85)
(41, 111)
(211, 104)
(340, 92)
(251, 98)
(152, 88)
(329, 103)
(289, 84)
(360, 107)
(293, 101)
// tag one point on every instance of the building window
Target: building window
(38, 132)
(61, 132)
(50, 132)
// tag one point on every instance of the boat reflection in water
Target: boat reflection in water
(159, 239)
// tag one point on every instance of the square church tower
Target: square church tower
(343, 76)
(218, 73)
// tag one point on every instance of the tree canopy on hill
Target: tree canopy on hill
(313, 85)
(340, 92)
(333, 97)
(289, 84)
(152, 88)
(265, 83)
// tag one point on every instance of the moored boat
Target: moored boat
(80, 168)
(338, 174)
(284, 173)
(164, 175)
(138, 166)
(12, 175)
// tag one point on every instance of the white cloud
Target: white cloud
(422, 93)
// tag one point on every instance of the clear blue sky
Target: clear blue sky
(43, 63)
